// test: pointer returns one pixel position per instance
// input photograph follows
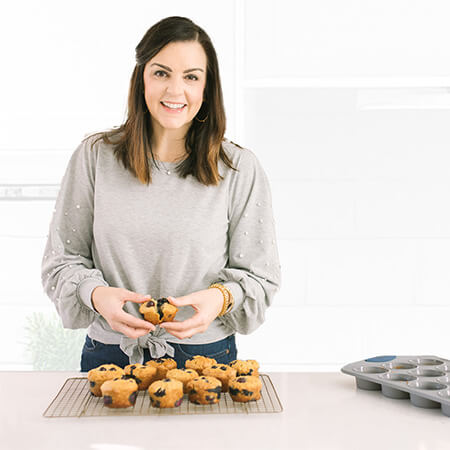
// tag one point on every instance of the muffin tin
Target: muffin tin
(424, 379)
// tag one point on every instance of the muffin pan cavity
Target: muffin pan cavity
(429, 373)
(425, 380)
(400, 366)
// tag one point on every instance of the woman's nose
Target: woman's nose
(175, 86)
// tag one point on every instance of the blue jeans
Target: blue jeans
(95, 353)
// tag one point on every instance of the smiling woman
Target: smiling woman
(176, 63)
(165, 205)
(174, 95)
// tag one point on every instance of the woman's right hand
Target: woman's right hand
(109, 301)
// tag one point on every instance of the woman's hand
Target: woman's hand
(207, 303)
(109, 301)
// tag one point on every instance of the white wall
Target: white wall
(346, 105)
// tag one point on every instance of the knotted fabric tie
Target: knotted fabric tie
(134, 348)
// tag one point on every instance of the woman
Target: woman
(164, 206)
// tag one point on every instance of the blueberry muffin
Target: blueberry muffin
(167, 393)
(162, 365)
(245, 388)
(198, 363)
(183, 375)
(245, 367)
(120, 392)
(158, 311)
(204, 390)
(101, 374)
(222, 372)
(144, 375)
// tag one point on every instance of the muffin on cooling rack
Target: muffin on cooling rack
(101, 374)
(162, 365)
(198, 363)
(120, 392)
(183, 375)
(222, 372)
(167, 393)
(144, 375)
(204, 390)
(245, 388)
(245, 367)
(158, 311)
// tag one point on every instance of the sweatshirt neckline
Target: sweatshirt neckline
(171, 164)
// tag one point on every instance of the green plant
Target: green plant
(51, 346)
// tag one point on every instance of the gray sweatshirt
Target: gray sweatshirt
(170, 238)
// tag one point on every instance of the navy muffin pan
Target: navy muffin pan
(424, 379)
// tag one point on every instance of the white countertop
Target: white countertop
(321, 411)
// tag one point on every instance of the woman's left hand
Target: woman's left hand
(207, 304)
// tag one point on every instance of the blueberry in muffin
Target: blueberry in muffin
(204, 390)
(198, 363)
(101, 374)
(167, 393)
(245, 367)
(119, 392)
(143, 374)
(158, 311)
(245, 388)
(222, 372)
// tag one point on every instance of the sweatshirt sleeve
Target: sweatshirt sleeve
(253, 271)
(67, 271)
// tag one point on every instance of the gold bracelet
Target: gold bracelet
(228, 300)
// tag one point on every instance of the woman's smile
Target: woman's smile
(173, 107)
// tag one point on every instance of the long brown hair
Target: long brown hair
(203, 141)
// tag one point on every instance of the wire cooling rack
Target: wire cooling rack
(75, 400)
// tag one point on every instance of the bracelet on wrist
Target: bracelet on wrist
(228, 300)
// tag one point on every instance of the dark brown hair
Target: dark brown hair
(203, 141)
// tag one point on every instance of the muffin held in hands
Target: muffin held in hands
(167, 393)
(101, 374)
(204, 390)
(245, 389)
(222, 372)
(199, 363)
(158, 311)
(162, 365)
(245, 367)
(120, 392)
(144, 375)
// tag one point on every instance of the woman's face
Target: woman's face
(174, 81)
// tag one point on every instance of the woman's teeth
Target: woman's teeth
(173, 105)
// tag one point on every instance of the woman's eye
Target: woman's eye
(162, 74)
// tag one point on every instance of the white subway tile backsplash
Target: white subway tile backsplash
(33, 166)
(383, 208)
(311, 209)
(320, 135)
(362, 272)
(433, 285)
(296, 335)
(342, 39)
(20, 271)
(407, 331)
(377, 272)
(294, 271)
(403, 208)
(25, 219)
(302, 337)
